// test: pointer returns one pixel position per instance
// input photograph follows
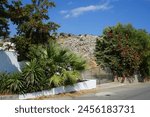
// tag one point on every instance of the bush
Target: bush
(50, 66)
(53, 58)
(12, 83)
(64, 57)
(64, 79)
(1, 44)
(55, 81)
(34, 76)
(70, 77)
(22, 47)
(3, 76)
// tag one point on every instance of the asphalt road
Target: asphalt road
(140, 91)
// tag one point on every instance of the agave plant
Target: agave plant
(3, 77)
(12, 83)
(34, 76)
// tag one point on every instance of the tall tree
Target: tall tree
(4, 19)
(33, 24)
(33, 20)
(124, 50)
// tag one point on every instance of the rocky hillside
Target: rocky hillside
(83, 45)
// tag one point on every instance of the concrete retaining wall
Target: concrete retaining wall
(9, 97)
(127, 80)
(90, 84)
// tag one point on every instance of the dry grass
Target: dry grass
(71, 95)
(5, 94)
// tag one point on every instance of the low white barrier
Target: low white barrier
(85, 85)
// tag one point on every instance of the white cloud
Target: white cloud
(67, 16)
(63, 11)
(81, 10)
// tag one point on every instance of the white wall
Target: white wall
(8, 62)
(89, 84)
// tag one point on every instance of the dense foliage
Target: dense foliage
(124, 49)
(50, 66)
(4, 19)
(32, 20)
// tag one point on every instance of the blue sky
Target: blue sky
(92, 16)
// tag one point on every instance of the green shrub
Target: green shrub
(50, 66)
(65, 78)
(34, 76)
(12, 83)
(70, 77)
(55, 81)
(35, 51)
(22, 47)
(3, 77)
(1, 45)
(63, 58)
(76, 62)
(49, 60)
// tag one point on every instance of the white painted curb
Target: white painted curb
(90, 84)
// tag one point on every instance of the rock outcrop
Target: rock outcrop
(83, 45)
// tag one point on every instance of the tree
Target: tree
(4, 19)
(143, 40)
(33, 25)
(33, 20)
(121, 49)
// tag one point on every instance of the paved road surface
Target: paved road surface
(139, 91)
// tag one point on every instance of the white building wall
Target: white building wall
(8, 62)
